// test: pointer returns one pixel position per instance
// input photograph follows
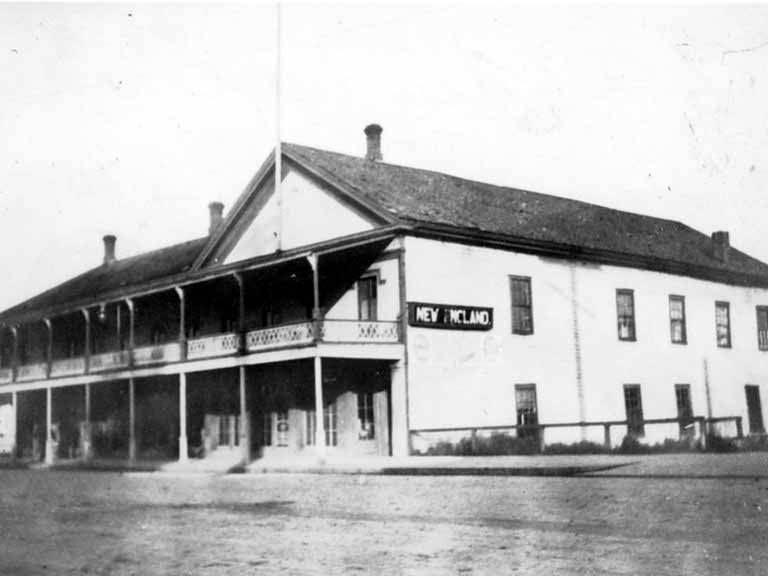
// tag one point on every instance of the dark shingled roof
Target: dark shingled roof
(102, 280)
(422, 196)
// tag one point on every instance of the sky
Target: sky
(128, 119)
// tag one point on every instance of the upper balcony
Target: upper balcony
(247, 312)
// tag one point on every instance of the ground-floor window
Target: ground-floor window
(633, 404)
(684, 406)
(527, 412)
(754, 409)
(281, 428)
(365, 419)
(330, 423)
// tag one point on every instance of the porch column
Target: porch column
(319, 414)
(48, 426)
(240, 310)
(182, 323)
(183, 445)
(87, 348)
(131, 333)
(131, 420)
(15, 420)
(245, 426)
(399, 399)
(48, 347)
(316, 314)
(15, 354)
(86, 433)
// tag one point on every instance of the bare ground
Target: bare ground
(70, 522)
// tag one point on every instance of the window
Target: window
(366, 298)
(762, 328)
(625, 308)
(677, 319)
(522, 306)
(723, 323)
(633, 403)
(281, 428)
(365, 422)
(527, 412)
(684, 407)
(754, 409)
(330, 423)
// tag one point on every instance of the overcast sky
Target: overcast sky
(130, 119)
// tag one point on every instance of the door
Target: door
(684, 408)
(754, 409)
(633, 404)
(527, 411)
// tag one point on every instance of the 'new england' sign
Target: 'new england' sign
(450, 316)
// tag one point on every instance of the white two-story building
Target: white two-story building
(405, 307)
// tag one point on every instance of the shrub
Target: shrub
(577, 448)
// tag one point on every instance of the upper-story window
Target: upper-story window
(723, 323)
(677, 319)
(625, 310)
(367, 298)
(762, 327)
(522, 305)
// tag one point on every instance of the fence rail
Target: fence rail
(538, 429)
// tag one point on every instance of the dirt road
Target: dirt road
(103, 523)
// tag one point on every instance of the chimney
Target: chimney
(109, 249)
(373, 139)
(720, 245)
(217, 211)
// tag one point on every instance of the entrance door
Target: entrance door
(527, 412)
(754, 409)
(684, 408)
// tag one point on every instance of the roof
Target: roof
(427, 200)
(122, 273)
(427, 197)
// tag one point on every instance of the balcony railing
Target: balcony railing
(71, 366)
(109, 360)
(282, 335)
(32, 371)
(352, 331)
(213, 346)
(289, 335)
(150, 354)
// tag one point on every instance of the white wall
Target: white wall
(310, 215)
(467, 378)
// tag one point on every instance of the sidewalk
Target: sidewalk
(748, 465)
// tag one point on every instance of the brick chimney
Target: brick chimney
(217, 216)
(373, 139)
(109, 249)
(721, 245)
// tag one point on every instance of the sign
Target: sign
(450, 316)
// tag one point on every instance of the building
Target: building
(374, 309)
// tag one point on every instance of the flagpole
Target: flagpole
(278, 142)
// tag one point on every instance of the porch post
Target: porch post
(319, 414)
(48, 347)
(182, 323)
(131, 420)
(15, 354)
(183, 445)
(48, 426)
(245, 429)
(317, 332)
(15, 419)
(131, 323)
(87, 348)
(86, 433)
(240, 310)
